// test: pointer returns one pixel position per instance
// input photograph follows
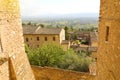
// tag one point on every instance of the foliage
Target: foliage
(29, 23)
(66, 29)
(54, 56)
(76, 62)
(42, 25)
(67, 36)
(84, 42)
(74, 36)
(77, 42)
(47, 55)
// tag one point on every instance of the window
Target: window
(38, 39)
(27, 39)
(45, 38)
(53, 38)
(107, 33)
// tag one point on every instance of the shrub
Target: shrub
(54, 56)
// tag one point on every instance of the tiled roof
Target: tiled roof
(39, 30)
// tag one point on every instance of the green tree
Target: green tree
(74, 36)
(71, 28)
(47, 55)
(54, 56)
(42, 25)
(67, 36)
(70, 60)
(66, 28)
(29, 23)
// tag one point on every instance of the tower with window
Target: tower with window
(108, 57)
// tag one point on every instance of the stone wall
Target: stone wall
(32, 39)
(108, 57)
(12, 40)
(46, 73)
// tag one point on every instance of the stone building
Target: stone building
(37, 36)
(94, 43)
(94, 39)
(15, 65)
(83, 35)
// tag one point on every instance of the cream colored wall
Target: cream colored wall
(62, 35)
(33, 39)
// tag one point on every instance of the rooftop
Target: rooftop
(38, 30)
(82, 32)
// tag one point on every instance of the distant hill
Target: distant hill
(74, 15)
(83, 17)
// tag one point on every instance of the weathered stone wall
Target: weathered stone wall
(12, 40)
(46, 73)
(4, 71)
(32, 39)
(108, 59)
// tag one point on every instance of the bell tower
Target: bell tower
(108, 59)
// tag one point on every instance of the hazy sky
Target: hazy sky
(43, 7)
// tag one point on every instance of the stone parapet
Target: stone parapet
(47, 73)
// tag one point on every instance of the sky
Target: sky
(47, 7)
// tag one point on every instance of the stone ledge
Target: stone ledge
(48, 73)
